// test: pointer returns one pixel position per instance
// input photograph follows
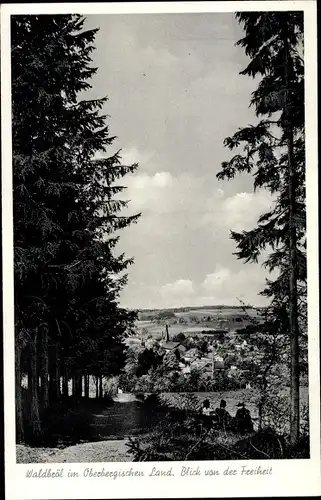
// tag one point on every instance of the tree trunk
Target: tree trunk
(73, 388)
(54, 374)
(260, 409)
(57, 374)
(44, 369)
(293, 296)
(79, 386)
(65, 391)
(293, 308)
(19, 413)
(86, 386)
(34, 407)
(100, 387)
(97, 387)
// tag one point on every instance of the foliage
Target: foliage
(147, 359)
(264, 145)
(171, 361)
(165, 315)
(180, 337)
(67, 210)
(110, 386)
(273, 151)
(180, 440)
(187, 402)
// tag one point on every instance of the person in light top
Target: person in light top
(207, 410)
(208, 420)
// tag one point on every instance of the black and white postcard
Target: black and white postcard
(160, 250)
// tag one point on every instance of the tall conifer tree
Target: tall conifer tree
(67, 213)
(273, 151)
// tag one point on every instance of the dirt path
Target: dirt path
(103, 451)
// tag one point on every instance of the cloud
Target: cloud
(145, 182)
(237, 212)
(175, 93)
(184, 227)
(243, 209)
(215, 280)
(227, 286)
(179, 293)
(222, 286)
(192, 202)
(148, 192)
(179, 289)
(133, 154)
(163, 193)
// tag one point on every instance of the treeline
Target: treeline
(191, 308)
(67, 218)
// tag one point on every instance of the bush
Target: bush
(146, 360)
(301, 450)
(165, 315)
(180, 337)
(186, 402)
(152, 399)
(264, 444)
(177, 438)
(110, 386)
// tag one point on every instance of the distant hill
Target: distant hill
(194, 308)
(202, 313)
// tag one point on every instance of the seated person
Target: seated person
(243, 420)
(207, 410)
(224, 418)
(209, 417)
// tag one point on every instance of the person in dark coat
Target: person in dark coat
(243, 421)
(224, 418)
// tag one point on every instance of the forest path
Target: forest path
(102, 451)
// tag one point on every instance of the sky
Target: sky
(175, 93)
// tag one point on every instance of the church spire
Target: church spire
(167, 334)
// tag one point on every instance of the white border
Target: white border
(290, 477)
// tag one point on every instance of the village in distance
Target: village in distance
(184, 367)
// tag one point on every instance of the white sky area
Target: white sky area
(174, 94)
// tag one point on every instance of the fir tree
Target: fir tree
(67, 214)
(273, 151)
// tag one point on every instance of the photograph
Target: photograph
(160, 212)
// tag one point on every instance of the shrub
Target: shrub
(264, 444)
(186, 402)
(110, 386)
(180, 337)
(146, 360)
(175, 439)
(301, 450)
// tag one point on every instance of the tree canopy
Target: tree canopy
(273, 151)
(67, 209)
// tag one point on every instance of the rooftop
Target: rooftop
(170, 345)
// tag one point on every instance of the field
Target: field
(220, 313)
(147, 328)
(193, 320)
